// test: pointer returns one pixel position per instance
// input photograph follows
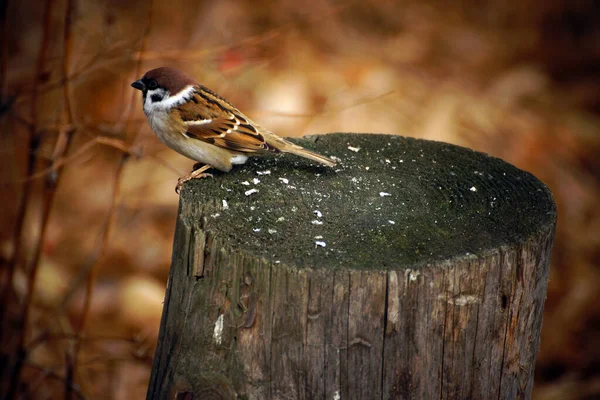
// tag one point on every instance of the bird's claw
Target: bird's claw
(184, 179)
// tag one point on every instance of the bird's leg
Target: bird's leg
(197, 173)
(198, 165)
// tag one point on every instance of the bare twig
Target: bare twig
(33, 143)
(73, 75)
(48, 337)
(329, 111)
(98, 140)
(3, 48)
(48, 373)
(183, 54)
(254, 40)
(67, 44)
(70, 361)
(111, 212)
(50, 187)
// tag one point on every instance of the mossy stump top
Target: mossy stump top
(413, 269)
(391, 201)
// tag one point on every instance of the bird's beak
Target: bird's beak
(139, 85)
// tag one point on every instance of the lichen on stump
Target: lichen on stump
(414, 269)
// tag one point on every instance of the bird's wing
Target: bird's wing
(212, 119)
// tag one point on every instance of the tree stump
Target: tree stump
(414, 269)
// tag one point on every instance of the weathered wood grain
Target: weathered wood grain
(431, 283)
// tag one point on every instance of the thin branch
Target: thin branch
(111, 212)
(33, 143)
(48, 373)
(186, 54)
(254, 40)
(47, 337)
(50, 187)
(51, 126)
(3, 47)
(97, 62)
(329, 111)
(67, 44)
(98, 140)
(70, 364)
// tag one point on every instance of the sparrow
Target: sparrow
(199, 124)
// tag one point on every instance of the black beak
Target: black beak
(139, 85)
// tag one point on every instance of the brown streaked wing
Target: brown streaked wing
(229, 128)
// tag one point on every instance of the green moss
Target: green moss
(396, 202)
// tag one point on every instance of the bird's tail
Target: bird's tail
(311, 155)
(285, 146)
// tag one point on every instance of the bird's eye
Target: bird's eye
(152, 84)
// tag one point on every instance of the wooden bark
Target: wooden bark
(431, 283)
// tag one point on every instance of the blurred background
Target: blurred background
(87, 191)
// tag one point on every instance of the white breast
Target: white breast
(197, 150)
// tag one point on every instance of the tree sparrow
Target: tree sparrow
(198, 123)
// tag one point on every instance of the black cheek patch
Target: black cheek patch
(156, 98)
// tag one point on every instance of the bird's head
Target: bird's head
(164, 88)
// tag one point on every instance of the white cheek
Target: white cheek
(150, 106)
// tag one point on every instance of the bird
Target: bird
(201, 125)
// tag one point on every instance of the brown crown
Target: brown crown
(169, 78)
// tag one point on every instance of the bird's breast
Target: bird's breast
(164, 128)
(171, 133)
